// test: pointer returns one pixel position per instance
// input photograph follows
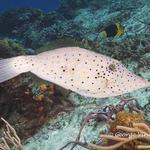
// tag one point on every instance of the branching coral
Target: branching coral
(106, 114)
(10, 138)
(125, 119)
(139, 131)
(136, 137)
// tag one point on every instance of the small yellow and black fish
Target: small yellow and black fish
(113, 30)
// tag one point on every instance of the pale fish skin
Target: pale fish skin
(85, 72)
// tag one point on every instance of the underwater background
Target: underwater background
(45, 5)
(46, 116)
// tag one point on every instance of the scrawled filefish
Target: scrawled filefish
(85, 72)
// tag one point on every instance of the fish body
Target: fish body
(113, 30)
(85, 72)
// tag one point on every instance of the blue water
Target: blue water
(45, 5)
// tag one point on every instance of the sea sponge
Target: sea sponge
(43, 87)
(39, 98)
(125, 119)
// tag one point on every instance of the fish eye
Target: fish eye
(112, 67)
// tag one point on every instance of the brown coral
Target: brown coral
(39, 98)
(126, 119)
(128, 131)
(139, 138)
(43, 87)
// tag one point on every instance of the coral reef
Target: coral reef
(136, 138)
(36, 38)
(34, 27)
(125, 119)
(10, 138)
(125, 132)
(114, 116)
(9, 48)
(75, 19)
(29, 103)
(145, 61)
(65, 42)
(14, 20)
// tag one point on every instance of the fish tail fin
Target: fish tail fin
(12, 67)
(120, 29)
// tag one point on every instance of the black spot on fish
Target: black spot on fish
(112, 67)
